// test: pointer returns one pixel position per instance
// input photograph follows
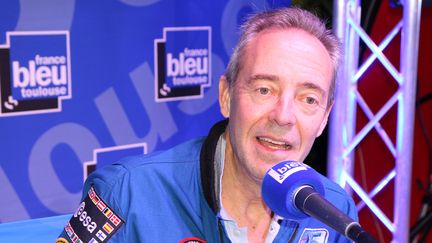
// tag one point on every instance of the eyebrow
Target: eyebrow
(263, 77)
(310, 85)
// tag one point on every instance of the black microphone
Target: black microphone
(294, 190)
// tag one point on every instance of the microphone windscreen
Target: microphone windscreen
(281, 182)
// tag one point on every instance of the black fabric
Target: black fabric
(207, 164)
(94, 221)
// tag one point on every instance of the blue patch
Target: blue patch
(318, 235)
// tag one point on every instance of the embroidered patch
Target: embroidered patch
(192, 240)
(319, 235)
(61, 240)
(94, 221)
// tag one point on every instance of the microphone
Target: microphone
(294, 190)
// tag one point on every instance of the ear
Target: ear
(224, 96)
(324, 121)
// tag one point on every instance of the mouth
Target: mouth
(274, 144)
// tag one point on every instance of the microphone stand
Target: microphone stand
(424, 224)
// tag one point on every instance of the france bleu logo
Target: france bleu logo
(182, 63)
(35, 73)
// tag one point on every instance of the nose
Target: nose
(283, 112)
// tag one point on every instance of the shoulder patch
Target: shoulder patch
(318, 235)
(93, 221)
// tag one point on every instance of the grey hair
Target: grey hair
(285, 18)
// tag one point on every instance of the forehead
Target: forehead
(292, 55)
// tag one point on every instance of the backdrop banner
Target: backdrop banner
(85, 83)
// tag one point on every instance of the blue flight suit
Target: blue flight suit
(170, 196)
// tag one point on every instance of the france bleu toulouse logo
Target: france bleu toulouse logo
(35, 72)
(182, 63)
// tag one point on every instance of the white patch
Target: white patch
(281, 176)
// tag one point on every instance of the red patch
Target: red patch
(192, 240)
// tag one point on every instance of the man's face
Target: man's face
(277, 106)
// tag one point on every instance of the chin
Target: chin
(266, 168)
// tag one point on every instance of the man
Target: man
(277, 94)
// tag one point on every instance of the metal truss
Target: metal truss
(343, 136)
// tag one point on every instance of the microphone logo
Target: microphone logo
(282, 171)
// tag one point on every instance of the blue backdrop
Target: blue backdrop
(84, 83)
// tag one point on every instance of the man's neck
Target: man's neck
(242, 200)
